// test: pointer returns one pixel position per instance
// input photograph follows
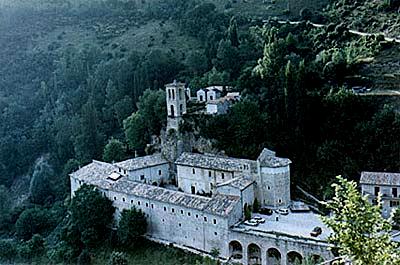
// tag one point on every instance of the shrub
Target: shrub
(118, 258)
(8, 250)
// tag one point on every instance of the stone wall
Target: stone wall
(177, 224)
(200, 179)
(274, 186)
(273, 243)
(155, 174)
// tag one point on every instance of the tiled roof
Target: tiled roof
(240, 183)
(213, 162)
(96, 173)
(380, 178)
(268, 158)
(142, 162)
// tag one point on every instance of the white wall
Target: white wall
(200, 179)
(177, 224)
(151, 174)
(201, 96)
(274, 186)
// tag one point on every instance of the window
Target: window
(279, 201)
(181, 211)
(215, 221)
(209, 174)
(115, 198)
(394, 192)
(180, 224)
(141, 177)
(194, 171)
(163, 220)
(138, 203)
(376, 191)
(268, 187)
(169, 93)
(119, 169)
(215, 233)
(173, 210)
(125, 172)
(147, 204)
(131, 201)
(159, 172)
(188, 213)
(205, 218)
(211, 98)
(197, 216)
(123, 199)
(165, 209)
(152, 206)
(394, 203)
(222, 175)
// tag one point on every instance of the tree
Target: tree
(135, 132)
(132, 225)
(233, 36)
(33, 221)
(8, 250)
(114, 151)
(5, 205)
(91, 214)
(359, 230)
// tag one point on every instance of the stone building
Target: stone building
(209, 93)
(197, 201)
(387, 184)
(176, 104)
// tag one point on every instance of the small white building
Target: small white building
(201, 95)
(387, 184)
(217, 107)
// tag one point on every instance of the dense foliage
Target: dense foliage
(131, 226)
(83, 80)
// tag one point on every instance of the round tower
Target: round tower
(176, 104)
(273, 180)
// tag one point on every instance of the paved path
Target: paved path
(355, 32)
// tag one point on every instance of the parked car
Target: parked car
(316, 231)
(265, 211)
(283, 211)
(258, 219)
(250, 223)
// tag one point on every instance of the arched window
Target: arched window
(172, 111)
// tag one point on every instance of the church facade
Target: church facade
(200, 206)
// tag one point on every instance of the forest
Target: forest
(84, 80)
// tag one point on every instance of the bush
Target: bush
(8, 250)
(33, 248)
(118, 258)
(84, 258)
(33, 221)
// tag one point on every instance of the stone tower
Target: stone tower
(274, 180)
(176, 104)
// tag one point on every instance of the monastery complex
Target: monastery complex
(198, 201)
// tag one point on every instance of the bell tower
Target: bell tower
(176, 104)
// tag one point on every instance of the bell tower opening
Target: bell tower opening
(176, 102)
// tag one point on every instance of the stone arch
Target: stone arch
(254, 254)
(235, 250)
(273, 256)
(294, 257)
